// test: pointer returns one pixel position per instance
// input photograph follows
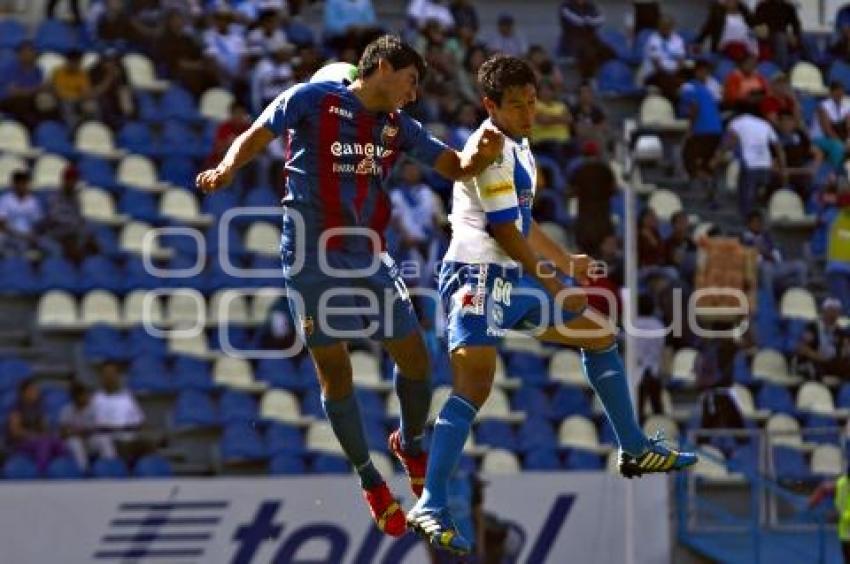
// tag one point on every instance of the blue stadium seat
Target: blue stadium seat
(776, 399)
(376, 434)
(768, 69)
(136, 137)
(110, 468)
(138, 277)
(262, 197)
(583, 460)
(241, 441)
(542, 459)
(840, 71)
(331, 464)
(233, 241)
(741, 369)
(722, 69)
(54, 137)
(617, 41)
(827, 432)
(98, 172)
(299, 34)
(192, 373)
(792, 331)
(790, 464)
(8, 400)
(607, 435)
(371, 404)
(745, 459)
(150, 374)
(17, 276)
(177, 139)
(286, 464)
(148, 107)
(237, 337)
(532, 401)
(177, 103)
(139, 205)
(269, 264)
(312, 404)
(496, 434)
(107, 242)
(179, 171)
(195, 408)
(54, 35)
(20, 467)
(281, 438)
(639, 46)
(536, 433)
(152, 466)
(53, 399)
(237, 407)
(58, 273)
(63, 468)
(103, 342)
(12, 33)
(100, 272)
(843, 397)
(13, 371)
(529, 367)
(216, 278)
(216, 203)
(570, 400)
(280, 373)
(142, 343)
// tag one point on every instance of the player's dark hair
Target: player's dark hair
(500, 72)
(398, 53)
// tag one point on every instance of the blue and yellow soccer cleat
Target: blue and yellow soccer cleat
(438, 528)
(658, 458)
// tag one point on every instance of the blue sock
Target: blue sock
(605, 372)
(344, 415)
(450, 432)
(414, 397)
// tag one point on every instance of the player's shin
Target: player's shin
(344, 416)
(414, 396)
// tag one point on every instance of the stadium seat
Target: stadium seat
(840, 72)
(141, 342)
(215, 104)
(190, 345)
(583, 461)
(648, 149)
(98, 172)
(20, 467)
(331, 464)
(98, 206)
(366, 371)
(286, 464)
(770, 365)
(236, 374)
(745, 402)
(110, 468)
(57, 309)
(496, 434)
(180, 171)
(768, 69)
(798, 303)
(807, 78)
(241, 441)
(570, 400)
(536, 433)
(284, 438)
(53, 137)
(99, 306)
(500, 376)
(371, 404)
(682, 371)
(141, 73)
(827, 462)
(135, 310)
(532, 401)
(152, 466)
(281, 373)
(786, 209)
(282, 406)
(500, 462)
(497, 406)
(12, 33)
(776, 399)
(784, 430)
(665, 203)
(63, 468)
(438, 398)
(815, 398)
(15, 139)
(177, 103)
(616, 78)
(55, 35)
(711, 466)
(579, 432)
(656, 112)
(48, 62)
(528, 368)
(138, 172)
(95, 138)
(133, 237)
(103, 342)
(789, 464)
(178, 139)
(228, 306)
(10, 164)
(541, 460)
(182, 207)
(58, 273)
(263, 238)
(194, 408)
(320, 438)
(47, 172)
(149, 374)
(186, 309)
(136, 137)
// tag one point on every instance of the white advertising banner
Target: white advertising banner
(576, 517)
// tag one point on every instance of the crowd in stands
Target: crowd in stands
(732, 82)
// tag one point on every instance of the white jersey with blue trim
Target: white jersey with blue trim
(503, 192)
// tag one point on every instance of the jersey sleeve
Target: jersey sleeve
(497, 192)
(286, 110)
(418, 143)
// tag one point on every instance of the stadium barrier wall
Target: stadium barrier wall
(578, 517)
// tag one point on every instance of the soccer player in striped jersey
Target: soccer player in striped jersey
(342, 142)
(503, 272)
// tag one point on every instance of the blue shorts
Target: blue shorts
(484, 301)
(330, 307)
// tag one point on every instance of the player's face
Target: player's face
(401, 86)
(515, 115)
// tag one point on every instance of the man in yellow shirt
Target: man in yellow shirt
(73, 88)
(550, 134)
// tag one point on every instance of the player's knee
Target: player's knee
(601, 343)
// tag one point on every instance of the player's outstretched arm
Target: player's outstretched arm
(244, 148)
(576, 266)
(519, 249)
(455, 165)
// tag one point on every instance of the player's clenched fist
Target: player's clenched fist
(580, 268)
(490, 144)
(213, 179)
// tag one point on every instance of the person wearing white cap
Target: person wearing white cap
(824, 348)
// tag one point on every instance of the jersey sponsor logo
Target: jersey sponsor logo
(496, 190)
(340, 149)
(388, 134)
(525, 198)
(470, 301)
(341, 112)
(367, 166)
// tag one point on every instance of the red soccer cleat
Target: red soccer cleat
(414, 465)
(385, 510)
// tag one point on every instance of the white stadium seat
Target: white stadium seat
(771, 366)
(282, 406)
(744, 397)
(814, 397)
(15, 139)
(656, 112)
(48, 63)
(438, 398)
(566, 367)
(236, 373)
(133, 240)
(228, 306)
(321, 438)
(682, 371)
(579, 432)
(47, 172)
(786, 209)
(807, 78)
(711, 466)
(100, 306)
(497, 406)
(98, 206)
(665, 203)
(366, 370)
(382, 463)
(182, 206)
(215, 104)
(57, 308)
(194, 345)
(798, 303)
(262, 302)
(828, 461)
(649, 149)
(134, 309)
(500, 462)
(263, 238)
(10, 164)
(141, 73)
(95, 138)
(784, 430)
(138, 172)
(186, 309)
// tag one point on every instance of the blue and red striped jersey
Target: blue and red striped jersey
(338, 156)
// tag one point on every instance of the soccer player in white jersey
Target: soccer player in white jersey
(502, 272)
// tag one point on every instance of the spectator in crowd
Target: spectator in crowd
(182, 55)
(73, 89)
(729, 29)
(550, 134)
(802, 158)
(466, 78)
(778, 24)
(507, 39)
(464, 14)
(839, 47)
(349, 23)
(700, 106)
(651, 251)
(441, 52)
(117, 26)
(464, 124)
(21, 91)
(65, 223)
(580, 21)
(111, 89)
(539, 60)
(20, 215)
(267, 35)
(824, 348)
(593, 183)
(838, 251)
(776, 274)
(744, 85)
(224, 43)
(755, 138)
(421, 11)
(272, 75)
(589, 120)
(781, 98)
(74, 5)
(78, 428)
(714, 368)
(228, 130)
(28, 430)
(663, 59)
(610, 279)
(118, 415)
(832, 125)
(680, 251)
(649, 353)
